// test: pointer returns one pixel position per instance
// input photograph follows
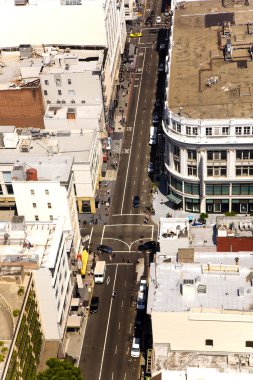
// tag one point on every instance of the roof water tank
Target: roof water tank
(46, 58)
(31, 174)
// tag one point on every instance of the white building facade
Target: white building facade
(44, 191)
(207, 120)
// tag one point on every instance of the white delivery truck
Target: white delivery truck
(153, 136)
(99, 272)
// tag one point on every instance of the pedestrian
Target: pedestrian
(113, 255)
(110, 257)
(108, 192)
(128, 260)
(110, 154)
(113, 294)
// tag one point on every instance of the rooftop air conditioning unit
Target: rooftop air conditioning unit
(73, 101)
(63, 101)
(58, 102)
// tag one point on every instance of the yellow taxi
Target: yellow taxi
(135, 35)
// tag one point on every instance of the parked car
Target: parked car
(149, 245)
(162, 46)
(150, 167)
(158, 19)
(135, 35)
(94, 305)
(136, 201)
(161, 67)
(104, 249)
(155, 117)
(135, 350)
(152, 13)
(141, 300)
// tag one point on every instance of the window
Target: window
(209, 342)
(69, 81)
(34, 205)
(46, 192)
(225, 131)
(192, 154)
(191, 188)
(217, 189)
(218, 171)
(242, 189)
(249, 343)
(36, 217)
(71, 92)
(1, 190)
(244, 171)
(176, 150)
(246, 130)
(188, 130)
(195, 131)
(9, 189)
(192, 204)
(238, 131)
(65, 274)
(46, 82)
(51, 218)
(45, 92)
(32, 192)
(192, 170)
(176, 184)
(49, 205)
(216, 155)
(56, 293)
(59, 92)
(58, 82)
(244, 154)
(174, 125)
(176, 165)
(179, 128)
(62, 288)
(209, 131)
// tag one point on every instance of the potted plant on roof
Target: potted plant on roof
(202, 218)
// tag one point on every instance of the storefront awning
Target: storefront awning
(74, 321)
(84, 261)
(174, 199)
(79, 281)
(75, 302)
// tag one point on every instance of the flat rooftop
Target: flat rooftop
(55, 168)
(45, 143)
(16, 71)
(214, 281)
(202, 83)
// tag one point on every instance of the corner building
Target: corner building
(208, 115)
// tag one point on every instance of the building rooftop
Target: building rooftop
(30, 245)
(220, 281)
(55, 168)
(17, 72)
(211, 75)
(40, 143)
(89, 113)
(234, 226)
(173, 234)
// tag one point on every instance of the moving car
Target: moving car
(150, 167)
(149, 245)
(158, 19)
(153, 135)
(135, 35)
(136, 201)
(161, 67)
(104, 249)
(148, 21)
(152, 13)
(94, 305)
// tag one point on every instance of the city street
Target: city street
(109, 333)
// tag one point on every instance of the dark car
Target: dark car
(104, 249)
(94, 305)
(149, 245)
(136, 201)
(154, 31)
(148, 21)
(152, 13)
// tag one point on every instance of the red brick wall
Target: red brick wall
(22, 108)
(234, 244)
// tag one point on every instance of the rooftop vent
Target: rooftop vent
(25, 145)
(201, 289)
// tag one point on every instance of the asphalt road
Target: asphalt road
(109, 333)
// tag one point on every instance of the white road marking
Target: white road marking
(102, 235)
(130, 328)
(112, 375)
(107, 327)
(136, 110)
(119, 326)
(125, 373)
(136, 85)
(122, 303)
(108, 280)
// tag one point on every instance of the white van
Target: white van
(135, 350)
(153, 136)
(99, 272)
